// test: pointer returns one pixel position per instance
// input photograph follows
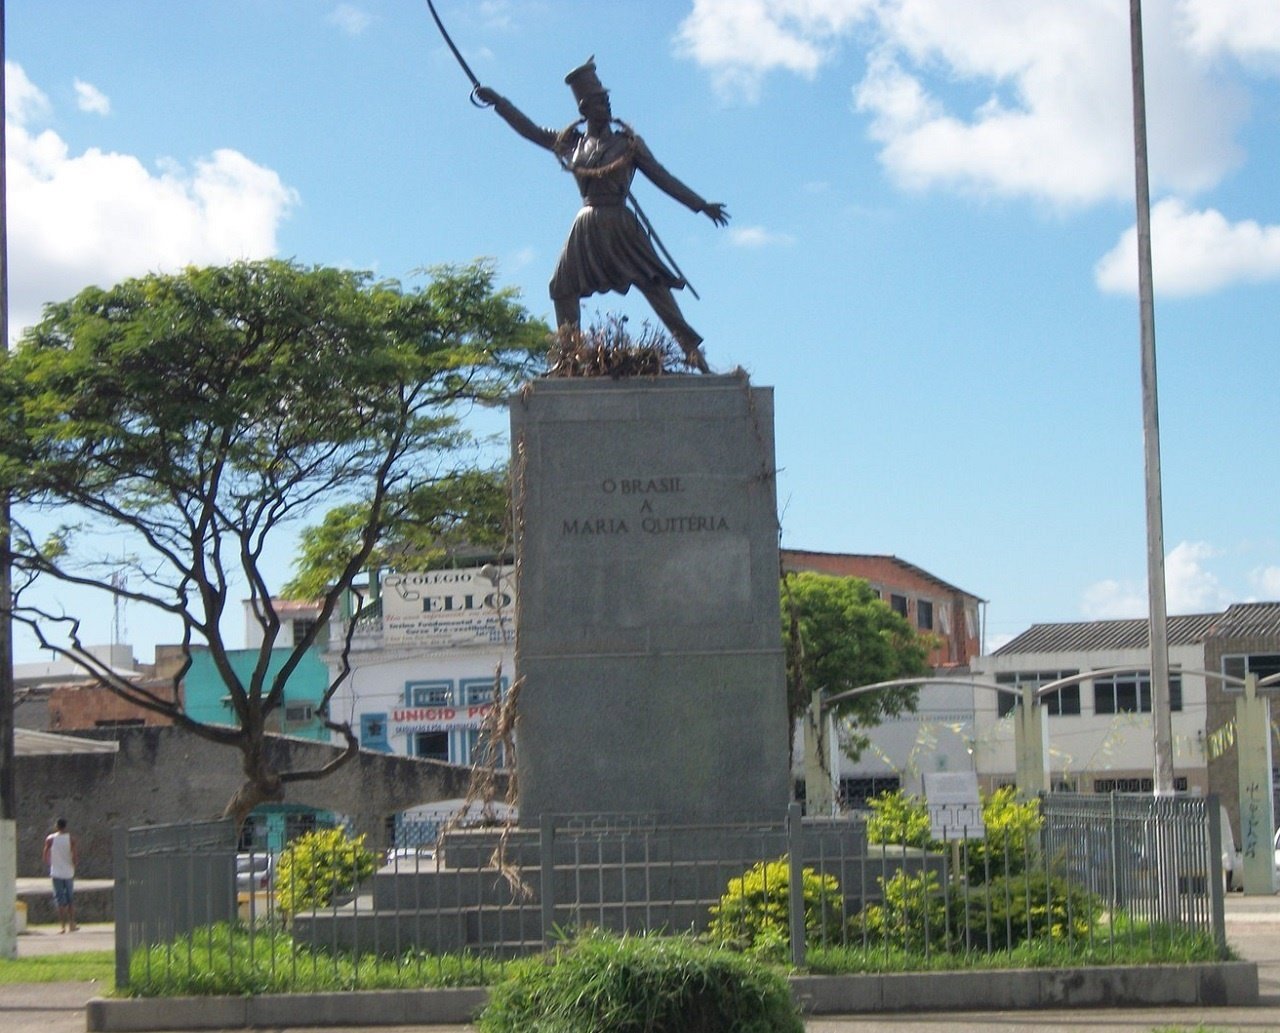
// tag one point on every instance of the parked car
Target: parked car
(254, 871)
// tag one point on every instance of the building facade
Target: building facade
(938, 736)
(427, 661)
(1099, 731)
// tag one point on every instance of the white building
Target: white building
(1099, 731)
(425, 661)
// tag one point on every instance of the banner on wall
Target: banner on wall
(443, 609)
(412, 720)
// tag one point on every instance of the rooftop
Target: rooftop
(1240, 620)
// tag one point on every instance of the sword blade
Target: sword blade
(448, 39)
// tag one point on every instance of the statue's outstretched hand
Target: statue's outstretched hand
(486, 95)
(715, 211)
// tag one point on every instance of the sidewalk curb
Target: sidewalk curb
(1231, 983)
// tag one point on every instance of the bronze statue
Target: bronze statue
(608, 248)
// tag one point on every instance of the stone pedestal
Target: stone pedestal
(648, 631)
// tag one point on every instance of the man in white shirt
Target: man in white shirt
(60, 857)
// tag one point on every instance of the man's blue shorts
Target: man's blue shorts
(62, 889)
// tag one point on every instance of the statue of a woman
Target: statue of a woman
(608, 249)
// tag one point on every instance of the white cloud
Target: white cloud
(1192, 252)
(1113, 600)
(90, 98)
(1246, 29)
(740, 41)
(23, 100)
(758, 237)
(1048, 113)
(1267, 581)
(350, 19)
(98, 217)
(1190, 587)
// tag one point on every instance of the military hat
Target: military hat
(584, 82)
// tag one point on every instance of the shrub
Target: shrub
(223, 959)
(914, 914)
(1000, 915)
(898, 818)
(754, 914)
(1012, 831)
(1028, 906)
(319, 865)
(640, 984)
(1012, 827)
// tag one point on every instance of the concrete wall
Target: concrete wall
(166, 775)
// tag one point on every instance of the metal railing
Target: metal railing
(1094, 872)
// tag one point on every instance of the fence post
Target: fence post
(547, 875)
(1217, 904)
(795, 858)
(120, 903)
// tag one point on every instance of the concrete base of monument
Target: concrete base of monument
(648, 627)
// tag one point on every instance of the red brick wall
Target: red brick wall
(73, 707)
(890, 576)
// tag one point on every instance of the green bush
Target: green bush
(899, 819)
(224, 959)
(640, 984)
(1012, 828)
(1028, 906)
(914, 913)
(318, 866)
(754, 914)
(998, 916)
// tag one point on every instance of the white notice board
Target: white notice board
(955, 809)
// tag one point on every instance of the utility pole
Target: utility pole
(1161, 721)
(8, 777)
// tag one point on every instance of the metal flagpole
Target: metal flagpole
(8, 775)
(1161, 722)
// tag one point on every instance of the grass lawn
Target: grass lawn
(79, 967)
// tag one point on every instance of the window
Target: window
(431, 745)
(373, 732)
(898, 604)
(428, 693)
(1131, 693)
(924, 615)
(1261, 664)
(298, 713)
(855, 792)
(1061, 702)
(1134, 785)
(301, 627)
(479, 749)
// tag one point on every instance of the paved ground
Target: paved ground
(1253, 929)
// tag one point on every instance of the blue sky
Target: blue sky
(931, 256)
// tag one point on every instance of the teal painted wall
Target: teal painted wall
(205, 689)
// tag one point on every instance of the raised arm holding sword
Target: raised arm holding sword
(611, 246)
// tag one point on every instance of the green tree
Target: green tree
(198, 417)
(465, 512)
(840, 635)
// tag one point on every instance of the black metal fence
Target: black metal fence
(1094, 870)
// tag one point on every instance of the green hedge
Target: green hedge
(640, 984)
